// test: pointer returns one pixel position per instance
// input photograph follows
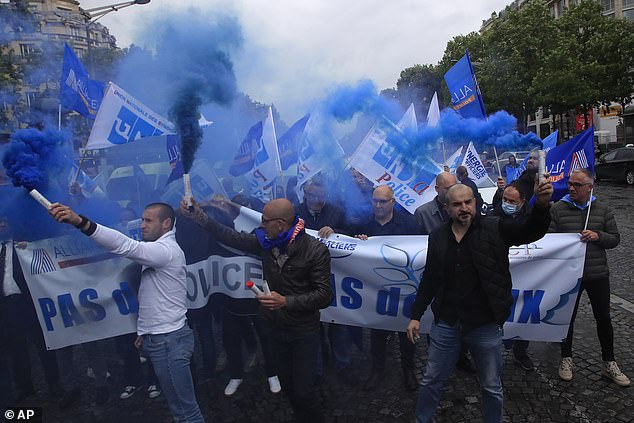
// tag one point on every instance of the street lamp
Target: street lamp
(99, 12)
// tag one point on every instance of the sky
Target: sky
(295, 51)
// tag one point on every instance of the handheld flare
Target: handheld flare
(188, 189)
(542, 165)
(254, 288)
(40, 198)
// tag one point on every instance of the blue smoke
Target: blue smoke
(32, 155)
(345, 101)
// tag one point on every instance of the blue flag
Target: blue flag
(76, 91)
(288, 143)
(550, 141)
(245, 159)
(174, 156)
(576, 153)
(465, 92)
(512, 173)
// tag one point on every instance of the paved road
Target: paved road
(538, 396)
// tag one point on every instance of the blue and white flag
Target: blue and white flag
(174, 156)
(474, 165)
(266, 166)
(289, 142)
(465, 92)
(76, 90)
(245, 158)
(576, 153)
(383, 164)
(453, 161)
(550, 141)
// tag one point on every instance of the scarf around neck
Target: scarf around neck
(283, 240)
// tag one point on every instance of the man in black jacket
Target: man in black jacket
(297, 269)
(386, 221)
(468, 279)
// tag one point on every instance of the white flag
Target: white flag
(433, 114)
(474, 165)
(452, 161)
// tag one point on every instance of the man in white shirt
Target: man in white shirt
(162, 327)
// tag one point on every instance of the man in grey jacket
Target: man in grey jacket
(570, 214)
(162, 327)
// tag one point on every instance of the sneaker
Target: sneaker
(524, 361)
(153, 391)
(612, 371)
(565, 369)
(232, 386)
(142, 359)
(274, 385)
(128, 391)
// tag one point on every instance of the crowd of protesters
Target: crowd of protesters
(467, 284)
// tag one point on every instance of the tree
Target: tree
(417, 85)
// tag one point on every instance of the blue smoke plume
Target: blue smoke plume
(32, 154)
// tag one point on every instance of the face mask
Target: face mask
(509, 209)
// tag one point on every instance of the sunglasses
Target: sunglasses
(379, 201)
(577, 184)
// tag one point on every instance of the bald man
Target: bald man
(386, 221)
(433, 214)
(468, 284)
(297, 269)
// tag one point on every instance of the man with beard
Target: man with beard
(468, 282)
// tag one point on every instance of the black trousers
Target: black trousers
(378, 339)
(599, 294)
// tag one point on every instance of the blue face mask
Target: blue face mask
(509, 209)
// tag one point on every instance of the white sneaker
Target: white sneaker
(232, 386)
(153, 391)
(612, 371)
(565, 369)
(128, 391)
(274, 384)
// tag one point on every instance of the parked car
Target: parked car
(617, 164)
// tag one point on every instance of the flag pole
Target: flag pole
(59, 117)
(585, 227)
(497, 161)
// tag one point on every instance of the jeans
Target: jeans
(132, 367)
(599, 294)
(296, 361)
(200, 320)
(341, 343)
(485, 345)
(171, 353)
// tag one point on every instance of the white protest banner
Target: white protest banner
(383, 164)
(474, 165)
(82, 294)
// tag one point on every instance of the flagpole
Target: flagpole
(589, 206)
(59, 117)
(497, 161)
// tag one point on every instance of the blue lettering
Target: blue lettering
(516, 294)
(67, 310)
(531, 306)
(352, 300)
(407, 306)
(225, 274)
(387, 301)
(47, 306)
(125, 299)
(95, 311)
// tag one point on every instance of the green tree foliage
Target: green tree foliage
(417, 85)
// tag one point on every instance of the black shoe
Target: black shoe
(101, 395)
(373, 382)
(69, 398)
(411, 383)
(524, 362)
(346, 376)
(23, 393)
(465, 364)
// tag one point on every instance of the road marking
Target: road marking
(622, 302)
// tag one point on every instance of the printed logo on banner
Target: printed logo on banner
(128, 127)
(262, 155)
(579, 161)
(405, 271)
(525, 252)
(339, 249)
(41, 262)
(475, 165)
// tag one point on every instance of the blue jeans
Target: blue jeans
(485, 345)
(170, 354)
(296, 361)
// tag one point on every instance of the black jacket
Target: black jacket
(304, 279)
(489, 244)
(330, 215)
